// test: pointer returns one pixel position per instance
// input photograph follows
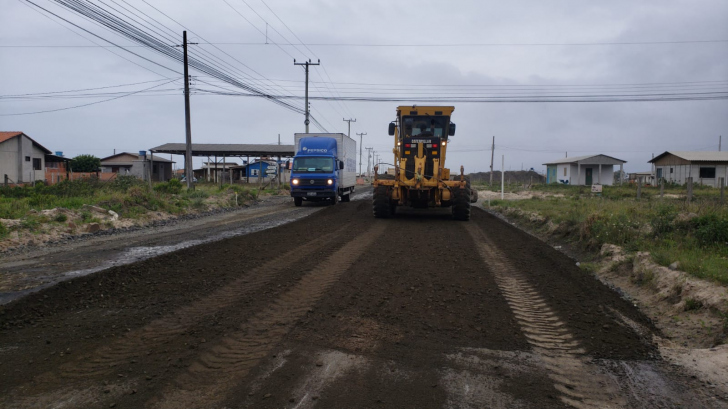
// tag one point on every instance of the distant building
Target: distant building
(705, 168)
(22, 159)
(648, 178)
(138, 165)
(583, 170)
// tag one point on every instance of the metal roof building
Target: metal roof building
(226, 149)
(706, 168)
(583, 170)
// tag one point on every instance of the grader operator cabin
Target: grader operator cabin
(420, 178)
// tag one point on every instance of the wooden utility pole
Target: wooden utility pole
(188, 126)
(307, 63)
(361, 141)
(492, 153)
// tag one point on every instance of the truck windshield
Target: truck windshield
(313, 164)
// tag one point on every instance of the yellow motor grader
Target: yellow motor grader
(420, 178)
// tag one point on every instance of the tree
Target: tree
(85, 163)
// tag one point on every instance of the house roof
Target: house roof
(4, 136)
(584, 160)
(712, 156)
(227, 149)
(136, 155)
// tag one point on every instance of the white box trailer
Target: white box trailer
(346, 152)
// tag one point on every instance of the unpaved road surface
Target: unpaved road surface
(340, 310)
(42, 266)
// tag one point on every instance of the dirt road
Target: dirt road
(339, 310)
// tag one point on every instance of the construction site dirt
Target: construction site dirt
(337, 309)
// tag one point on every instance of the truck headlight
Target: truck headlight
(330, 181)
(294, 181)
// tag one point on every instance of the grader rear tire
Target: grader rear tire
(461, 204)
(380, 203)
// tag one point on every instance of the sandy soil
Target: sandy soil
(338, 309)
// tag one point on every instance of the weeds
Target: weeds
(695, 234)
(692, 304)
(60, 218)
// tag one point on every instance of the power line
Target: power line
(91, 103)
(419, 45)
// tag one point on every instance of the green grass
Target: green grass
(695, 234)
(127, 196)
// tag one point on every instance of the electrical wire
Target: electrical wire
(91, 103)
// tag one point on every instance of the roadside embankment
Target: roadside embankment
(33, 216)
(668, 256)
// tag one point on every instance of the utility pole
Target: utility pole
(188, 126)
(492, 152)
(361, 141)
(369, 162)
(349, 121)
(307, 63)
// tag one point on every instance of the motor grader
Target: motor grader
(420, 178)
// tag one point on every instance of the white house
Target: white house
(583, 170)
(22, 159)
(706, 168)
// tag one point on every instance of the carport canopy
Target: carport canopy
(226, 149)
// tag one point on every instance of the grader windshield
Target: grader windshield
(426, 126)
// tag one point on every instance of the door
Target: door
(550, 174)
(588, 176)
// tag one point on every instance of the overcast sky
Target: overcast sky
(534, 48)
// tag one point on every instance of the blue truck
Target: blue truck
(324, 168)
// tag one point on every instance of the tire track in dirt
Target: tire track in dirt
(105, 359)
(561, 354)
(223, 366)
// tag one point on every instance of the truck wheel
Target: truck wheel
(335, 199)
(346, 198)
(381, 203)
(461, 204)
(298, 201)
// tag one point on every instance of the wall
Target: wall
(9, 159)
(682, 171)
(607, 176)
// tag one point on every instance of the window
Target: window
(37, 164)
(659, 173)
(27, 158)
(707, 173)
(670, 170)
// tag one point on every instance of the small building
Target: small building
(213, 171)
(583, 170)
(648, 178)
(138, 164)
(57, 168)
(706, 168)
(22, 159)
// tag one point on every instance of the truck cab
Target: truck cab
(317, 171)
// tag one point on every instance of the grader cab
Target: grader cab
(421, 179)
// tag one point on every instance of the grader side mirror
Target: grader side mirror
(391, 128)
(451, 131)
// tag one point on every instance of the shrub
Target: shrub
(60, 218)
(3, 230)
(174, 187)
(710, 229)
